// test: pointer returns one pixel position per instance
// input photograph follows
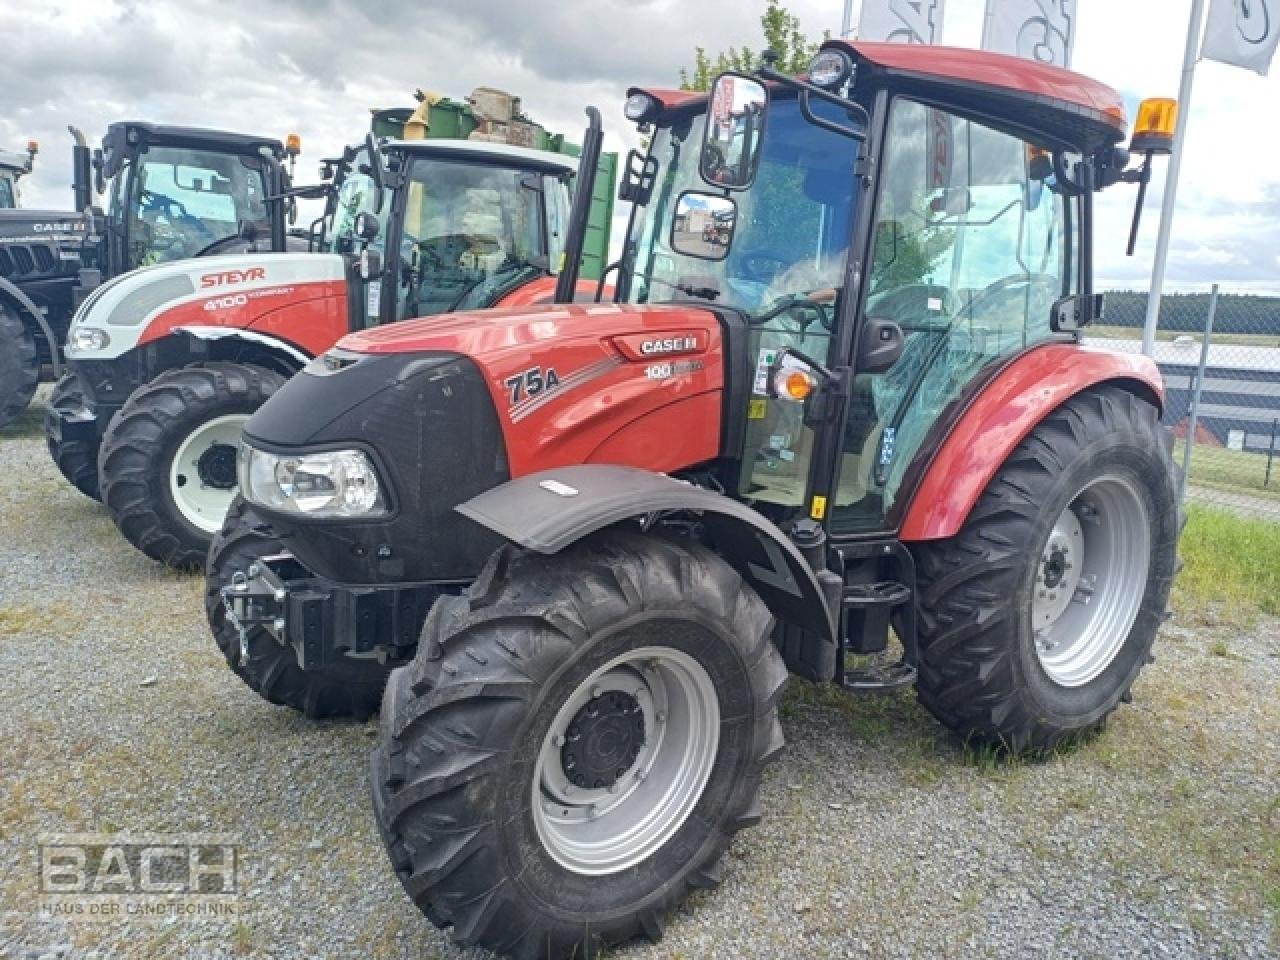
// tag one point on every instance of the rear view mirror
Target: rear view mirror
(735, 125)
(703, 225)
(366, 226)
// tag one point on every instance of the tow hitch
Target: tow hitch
(323, 622)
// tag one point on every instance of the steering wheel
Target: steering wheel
(750, 264)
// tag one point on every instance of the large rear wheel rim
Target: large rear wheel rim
(657, 712)
(1090, 580)
(202, 475)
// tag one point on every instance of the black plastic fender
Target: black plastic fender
(550, 510)
(36, 315)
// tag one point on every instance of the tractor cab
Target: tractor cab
(13, 166)
(179, 192)
(891, 232)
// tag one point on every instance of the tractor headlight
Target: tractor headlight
(830, 69)
(334, 483)
(642, 107)
(88, 339)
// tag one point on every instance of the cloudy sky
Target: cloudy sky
(315, 66)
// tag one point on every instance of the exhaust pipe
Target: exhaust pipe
(81, 172)
(588, 166)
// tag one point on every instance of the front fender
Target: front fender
(551, 510)
(1001, 417)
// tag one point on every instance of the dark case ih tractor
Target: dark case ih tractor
(167, 364)
(841, 393)
(173, 193)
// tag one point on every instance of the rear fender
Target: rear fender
(32, 315)
(1001, 417)
(554, 509)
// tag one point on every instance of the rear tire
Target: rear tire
(469, 757)
(1026, 655)
(351, 690)
(19, 366)
(171, 511)
(76, 459)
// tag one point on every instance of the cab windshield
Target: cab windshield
(182, 202)
(474, 231)
(793, 226)
(7, 196)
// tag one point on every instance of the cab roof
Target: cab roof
(197, 137)
(504, 154)
(1049, 101)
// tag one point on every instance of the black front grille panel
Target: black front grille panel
(28, 261)
(430, 424)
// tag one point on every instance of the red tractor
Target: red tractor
(596, 538)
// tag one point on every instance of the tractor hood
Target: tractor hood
(206, 297)
(596, 367)
(448, 407)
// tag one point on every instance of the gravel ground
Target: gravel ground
(882, 837)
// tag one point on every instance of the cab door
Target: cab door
(972, 243)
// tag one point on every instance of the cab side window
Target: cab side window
(971, 249)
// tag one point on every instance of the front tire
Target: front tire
(1037, 617)
(576, 742)
(77, 460)
(19, 366)
(351, 690)
(168, 459)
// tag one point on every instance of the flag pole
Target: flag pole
(846, 26)
(1194, 29)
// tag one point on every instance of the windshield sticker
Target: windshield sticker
(886, 446)
(757, 409)
(766, 360)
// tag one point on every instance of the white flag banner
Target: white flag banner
(1243, 33)
(1041, 30)
(901, 21)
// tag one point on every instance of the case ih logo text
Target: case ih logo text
(654, 348)
(233, 276)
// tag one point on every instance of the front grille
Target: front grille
(21, 261)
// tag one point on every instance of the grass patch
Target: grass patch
(1221, 469)
(16, 620)
(1231, 561)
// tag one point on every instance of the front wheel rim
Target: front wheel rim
(658, 715)
(1090, 580)
(199, 483)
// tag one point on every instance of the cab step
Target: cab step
(868, 612)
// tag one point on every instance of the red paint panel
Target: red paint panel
(1000, 418)
(309, 315)
(543, 290)
(603, 407)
